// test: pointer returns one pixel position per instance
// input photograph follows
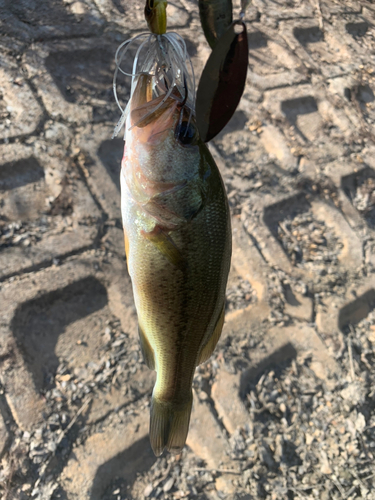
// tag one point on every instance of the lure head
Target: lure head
(156, 16)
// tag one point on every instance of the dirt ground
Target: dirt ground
(285, 408)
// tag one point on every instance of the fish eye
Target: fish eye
(186, 133)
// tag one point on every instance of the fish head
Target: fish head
(162, 145)
(162, 139)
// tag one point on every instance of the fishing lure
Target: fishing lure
(224, 76)
(156, 16)
(216, 17)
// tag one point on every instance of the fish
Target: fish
(177, 231)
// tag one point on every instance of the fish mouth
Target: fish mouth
(153, 118)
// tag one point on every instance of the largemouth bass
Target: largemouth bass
(178, 244)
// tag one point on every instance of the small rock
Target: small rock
(360, 423)
(325, 468)
(78, 8)
(309, 439)
(148, 490)
(168, 485)
(353, 393)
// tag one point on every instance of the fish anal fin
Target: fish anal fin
(208, 349)
(166, 247)
(147, 351)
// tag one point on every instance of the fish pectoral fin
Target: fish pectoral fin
(180, 203)
(147, 351)
(208, 349)
(166, 247)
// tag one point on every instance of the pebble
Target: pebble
(168, 485)
(148, 490)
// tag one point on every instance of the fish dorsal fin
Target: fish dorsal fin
(147, 351)
(208, 349)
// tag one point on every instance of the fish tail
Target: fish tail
(169, 424)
